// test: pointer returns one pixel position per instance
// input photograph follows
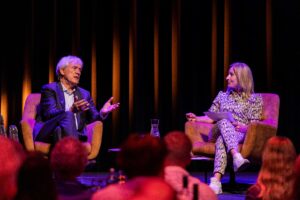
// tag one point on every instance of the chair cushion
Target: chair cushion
(204, 148)
(207, 148)
(45, 147)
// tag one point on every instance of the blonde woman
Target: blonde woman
(245, 106)
(277, 175)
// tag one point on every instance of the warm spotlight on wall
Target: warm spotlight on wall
(26, 90)
(4, 105)
(51, 71)
(26, 86)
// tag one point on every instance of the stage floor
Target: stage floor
(243, 179)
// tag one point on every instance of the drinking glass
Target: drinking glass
(154, 128)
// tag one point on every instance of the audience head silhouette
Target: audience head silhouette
(142, 155)
(296, 191)
(35, 179)
(276, 176)
(179, 148)
(11, 158)
(68, 158)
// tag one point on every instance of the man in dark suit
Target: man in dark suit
(65, 108)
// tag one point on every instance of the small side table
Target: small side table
(112, 153)
(114, 150)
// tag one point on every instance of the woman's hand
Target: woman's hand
(194, 118)
(240, 127)
(190, 116)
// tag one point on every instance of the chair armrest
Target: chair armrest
(257, 135)
(197, 131)
(27, 130)
(94, 133)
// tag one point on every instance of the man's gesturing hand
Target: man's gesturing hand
(109, 106)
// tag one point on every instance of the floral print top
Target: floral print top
(243, 110)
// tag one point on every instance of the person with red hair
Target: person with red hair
(296, 191)
(142, 159)
(11, 158)
(277, 175)
(178, 158)
(68, 160)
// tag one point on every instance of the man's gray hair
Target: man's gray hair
(65, 61)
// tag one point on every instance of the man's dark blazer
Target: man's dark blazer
(53, 103)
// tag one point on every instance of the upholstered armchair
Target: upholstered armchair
(257, 134)
(94, 130)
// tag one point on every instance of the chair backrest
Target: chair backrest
(31, 106)
(271, 103)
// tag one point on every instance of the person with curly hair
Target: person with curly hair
(277, 175)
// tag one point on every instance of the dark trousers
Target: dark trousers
(60, 126)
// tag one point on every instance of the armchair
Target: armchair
(257, 134)
(94, 130)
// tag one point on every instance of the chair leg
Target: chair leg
(233, 186)
(206, 177)
(57, 135)
(232, 180)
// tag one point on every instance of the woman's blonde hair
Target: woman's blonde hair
(276, 176)
(244, 78)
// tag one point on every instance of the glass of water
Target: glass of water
(155, 128)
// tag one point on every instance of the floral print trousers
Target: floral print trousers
(226, 138)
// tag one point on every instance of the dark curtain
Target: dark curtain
(35, 34)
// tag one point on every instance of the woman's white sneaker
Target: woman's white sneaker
(215, 185)
(239, 163)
